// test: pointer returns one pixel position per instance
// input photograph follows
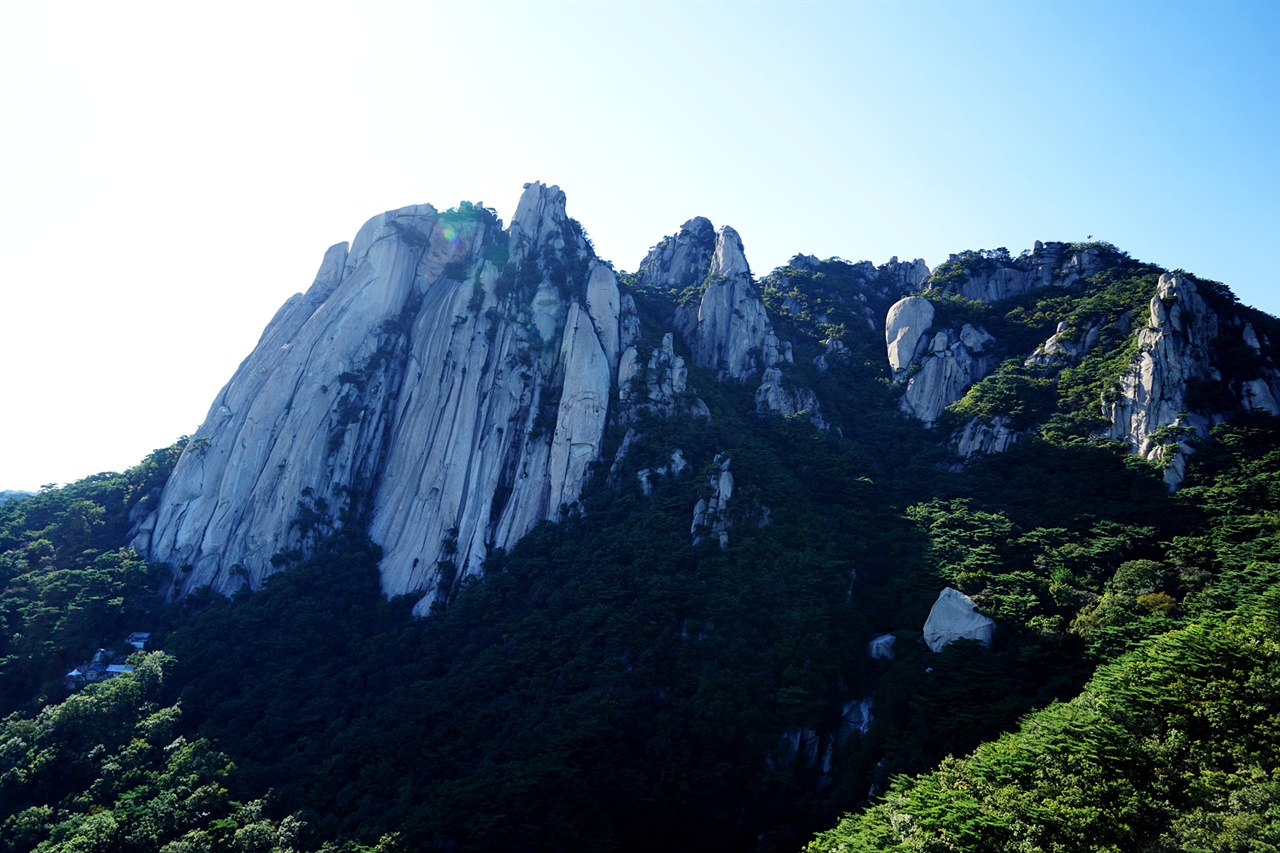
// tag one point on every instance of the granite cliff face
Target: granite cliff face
(1196, 363)
(474, 363)
(726, 328)
(1154, 410)
(447, 384)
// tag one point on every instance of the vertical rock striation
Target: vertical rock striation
(474, 363)
(950, 364)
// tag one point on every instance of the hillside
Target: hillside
(488, 544)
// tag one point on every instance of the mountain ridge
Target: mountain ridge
(483, 366)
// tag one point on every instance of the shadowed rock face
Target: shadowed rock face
(474, 363)
(726, 328)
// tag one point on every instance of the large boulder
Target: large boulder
(955, 617)
(904, 329)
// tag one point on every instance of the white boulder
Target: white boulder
(955, 617)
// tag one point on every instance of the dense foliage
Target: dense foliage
(68, 584)
(608, 685)
(1173, 746)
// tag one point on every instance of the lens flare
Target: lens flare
(450, 233)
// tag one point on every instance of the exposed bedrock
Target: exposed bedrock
(443, 381)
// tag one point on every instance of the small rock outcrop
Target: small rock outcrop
(881, 647)
(673, 469)
(775, 394)
(1065, 346)
(710, 514)
(985, 436)
(955, 617)
(661, 385)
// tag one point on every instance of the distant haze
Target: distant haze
(171, 172)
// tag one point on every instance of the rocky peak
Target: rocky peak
(681, 260)
(445, 399)
(727, 329)
(729, 259)
(540, 217)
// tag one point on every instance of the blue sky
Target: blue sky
(170, 173)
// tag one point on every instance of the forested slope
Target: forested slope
(1174, 745)
(621, 681)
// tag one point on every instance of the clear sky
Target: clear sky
(171, 172)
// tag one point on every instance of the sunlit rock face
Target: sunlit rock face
(444, 381)
(904, 332)
(1153, 411)
(951, 362)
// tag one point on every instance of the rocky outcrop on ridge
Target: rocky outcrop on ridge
(1160, 406)
(475, 363)
(727, 329)
(953, 617)
(903, 276)
(992, 276)
(710, 514)
(1153, 411)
